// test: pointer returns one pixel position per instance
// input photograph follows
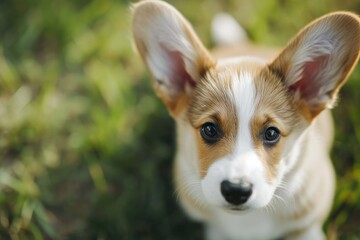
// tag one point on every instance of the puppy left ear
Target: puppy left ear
(318, 61)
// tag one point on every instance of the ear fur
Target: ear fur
(171, 50)
(318, 61)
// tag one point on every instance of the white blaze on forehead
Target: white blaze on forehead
(245, 161)
(244, 98)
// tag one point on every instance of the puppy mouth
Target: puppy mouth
(236, 209)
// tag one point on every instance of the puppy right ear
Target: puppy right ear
(318, 61)
(171, 50)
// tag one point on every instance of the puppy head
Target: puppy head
(239, 120)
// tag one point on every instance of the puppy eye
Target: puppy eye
(210, 132)
(271, 136)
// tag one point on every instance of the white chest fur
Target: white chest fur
(248, 225)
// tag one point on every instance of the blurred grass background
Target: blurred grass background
(85, 146)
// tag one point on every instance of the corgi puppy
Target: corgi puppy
(253, 134)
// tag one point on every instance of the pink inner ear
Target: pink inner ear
(179, 76)
(311, 79)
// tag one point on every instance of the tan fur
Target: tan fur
(274, 109)
(211, 103)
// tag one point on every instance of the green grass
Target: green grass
(85, 146)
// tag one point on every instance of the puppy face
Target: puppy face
(240, 120)
(243, 119)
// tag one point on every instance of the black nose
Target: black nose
(236, 193)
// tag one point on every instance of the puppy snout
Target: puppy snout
(236, 193)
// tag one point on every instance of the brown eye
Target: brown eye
(210, 132)
(271, 136)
